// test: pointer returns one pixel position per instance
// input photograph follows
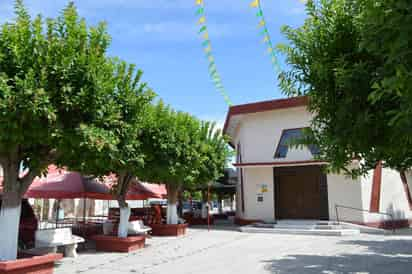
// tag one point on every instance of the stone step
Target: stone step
(300, 231)
(284, 226)
(328, 227)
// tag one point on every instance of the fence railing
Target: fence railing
(364, 210)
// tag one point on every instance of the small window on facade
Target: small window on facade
(288, 136)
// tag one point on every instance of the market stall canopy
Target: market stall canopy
(159, 189)
(139, 190)
(62, 184)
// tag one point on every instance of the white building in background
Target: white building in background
(278, 182)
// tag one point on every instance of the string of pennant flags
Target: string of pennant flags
(207, 47)
(266, 36)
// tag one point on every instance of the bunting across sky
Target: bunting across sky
(266, 36)
(207, 47)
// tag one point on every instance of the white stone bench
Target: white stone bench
(59, 237)
(137, 227)
(134, 228)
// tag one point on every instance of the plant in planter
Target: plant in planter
(170, 141)
(214, 154)
(53, 88)
(180, 149)
(124, 155)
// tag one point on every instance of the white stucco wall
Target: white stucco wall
(259, 134)
(344, 191)
(253, 179)
(393, 197)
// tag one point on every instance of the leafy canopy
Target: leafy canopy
(180, 150)
(353, 60)
(55, 81)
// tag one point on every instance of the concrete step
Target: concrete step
(299, 231)
(328, 227)
(283, 226)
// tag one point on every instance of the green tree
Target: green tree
(121, 153)
(53, 87)
(170, 141)
(214, 155)
(353, 60)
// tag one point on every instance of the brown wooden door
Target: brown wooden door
(299, 193)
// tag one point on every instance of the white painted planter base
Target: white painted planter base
(124, 222)
(9, 232)
(172, 218)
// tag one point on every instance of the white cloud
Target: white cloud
(218, 119)
(175, 31)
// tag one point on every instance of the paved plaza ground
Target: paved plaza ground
(226, 251)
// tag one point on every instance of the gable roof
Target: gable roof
(261, 107)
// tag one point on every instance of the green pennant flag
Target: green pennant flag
(199, 11)
(212, 64)
(202, 29)
(215, 78)
(205, 43)
(259, 13)
(264, 32)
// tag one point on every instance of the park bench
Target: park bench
(52, 239)
(136, 227)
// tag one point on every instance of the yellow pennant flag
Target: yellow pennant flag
(199, 2)
(254, 4)
(261, 23)
(270, 50)
(206, 35)
(208, 49)
(211, 59)
(201, 20)
(265, 39)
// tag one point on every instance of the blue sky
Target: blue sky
(160, 37)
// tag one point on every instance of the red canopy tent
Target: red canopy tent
(62, 184)
(139, 190)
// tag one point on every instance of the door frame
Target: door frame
(324, 199)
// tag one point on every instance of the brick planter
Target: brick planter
(200, 221)
(222, 216)
(30, 264)
(116, 244)
(168, 230)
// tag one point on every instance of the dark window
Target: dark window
(288, 137)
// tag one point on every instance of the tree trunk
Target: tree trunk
(9, 228)
(180, 208)
(220, 205)
(124, 218)
(205, 206)
(124, 182)
(172, 218)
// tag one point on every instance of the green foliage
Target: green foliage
(55, 80)
(114, 147)
(214, 153)
(353, 60)
(181, 151)
(170, 142)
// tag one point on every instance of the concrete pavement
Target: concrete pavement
(226, 251)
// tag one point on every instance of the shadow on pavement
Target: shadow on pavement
(216, 227)
(390, 256)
